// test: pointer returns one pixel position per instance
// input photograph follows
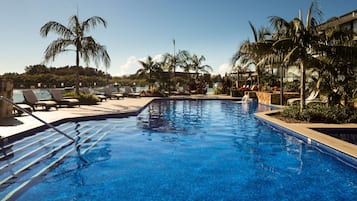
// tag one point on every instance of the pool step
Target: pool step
(21, 163)
(23, 152)
(9, 150)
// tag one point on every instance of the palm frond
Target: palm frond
(280, 25)
(95, 51)
(283, 44)
(75, 26)
(238, 54)
(292, 56)
(92, 22)
(56, 47)
(56, 28)
(254, 31)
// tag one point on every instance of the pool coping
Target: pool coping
(345, 151)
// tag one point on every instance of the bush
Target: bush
(84, 99)
(322, 114)
(217, 90)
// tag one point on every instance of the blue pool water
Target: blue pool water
(196, 150)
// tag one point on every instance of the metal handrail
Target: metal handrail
(34, 116)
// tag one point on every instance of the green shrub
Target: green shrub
(322, 114)
(84, 99)
(217, 90)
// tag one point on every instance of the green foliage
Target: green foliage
(54, 77)
(292, 86)
(129, 80)
(217, 90)
(84, 99)
(317, 113)
(36, 69)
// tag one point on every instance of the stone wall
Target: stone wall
(6, 88)
(264, 97)
(274, 98)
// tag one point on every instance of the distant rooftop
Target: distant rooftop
(348, 20)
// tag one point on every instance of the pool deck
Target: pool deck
(16, 125)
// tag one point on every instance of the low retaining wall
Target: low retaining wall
(6, 88)
(274, 97)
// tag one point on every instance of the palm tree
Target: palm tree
(168, 64)
(74, 35)
(197, 65)
(184, 60)
(253, 53)
(299, 40)
(148, 67)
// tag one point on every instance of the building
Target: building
(347, 21)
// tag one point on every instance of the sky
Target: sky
(140, 28)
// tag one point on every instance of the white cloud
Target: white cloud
(130, 67)
(132, 64)
(158, 58)
(224, 68)
(142, 59)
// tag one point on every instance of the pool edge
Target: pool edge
(344, 151)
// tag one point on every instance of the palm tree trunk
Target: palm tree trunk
(259, 75)
(302, 86)
(150, 81)
(281, 85)
(77, 72)
(237, 80)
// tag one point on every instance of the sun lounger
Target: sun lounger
(31, 99)
(101, 97)
(129, 92)
(109, 94)
(57, 96)
(181, 91)
(24, 106)
(312, 98)
(316, 101)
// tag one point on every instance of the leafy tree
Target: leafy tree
(36, 69)
(338, 54)
(74, 35)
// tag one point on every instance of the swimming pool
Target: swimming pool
(194, 150)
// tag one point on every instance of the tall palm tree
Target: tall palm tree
(169, 64)
(75, 35)
(164, 69)
(299, 40)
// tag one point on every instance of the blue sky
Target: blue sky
(140, 28)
